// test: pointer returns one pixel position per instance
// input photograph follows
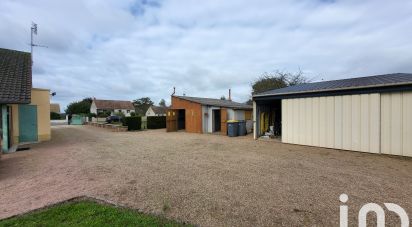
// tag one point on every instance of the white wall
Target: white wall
(210, 118)
(350, 122)
(125, 112)
(230, 114)
(93, 108)
(205, 119)
(239, 115)
(150, 112)
(396, 123)
(254, 120)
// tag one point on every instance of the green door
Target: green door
(27, 123)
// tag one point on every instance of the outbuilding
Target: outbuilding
(368, 114)
(25, 111)
(204, 115)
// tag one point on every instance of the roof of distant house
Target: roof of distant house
(15, 77)
(159, 109)
(217, 102)
(55, 107)
(113, 104)
(396, 79)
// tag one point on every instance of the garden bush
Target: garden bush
(155, 122)
(132, 123)
(55, 116)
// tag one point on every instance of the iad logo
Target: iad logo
(372, 207)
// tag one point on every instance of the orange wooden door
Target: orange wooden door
(171, 120)
(223, 121)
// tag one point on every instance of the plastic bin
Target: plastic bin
(232, 128)
(241, 130)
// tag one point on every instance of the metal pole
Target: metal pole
(31, 44)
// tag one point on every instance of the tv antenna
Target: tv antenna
(32, 44)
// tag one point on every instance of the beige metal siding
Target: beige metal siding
(348, 122)
(396, 124)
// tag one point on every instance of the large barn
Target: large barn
(204, 115)
(369, 114)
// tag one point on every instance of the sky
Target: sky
(127, 49)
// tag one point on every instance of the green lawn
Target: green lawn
(87, 213)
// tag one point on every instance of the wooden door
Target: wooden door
(223, 121)
(171, 120)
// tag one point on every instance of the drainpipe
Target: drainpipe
(5, 128)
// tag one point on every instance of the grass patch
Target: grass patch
(87, 213)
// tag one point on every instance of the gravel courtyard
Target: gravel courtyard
(208, 180)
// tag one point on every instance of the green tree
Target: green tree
(162, 103)
(79, 107)
(276, 80)
(222, 97)
(141, 105)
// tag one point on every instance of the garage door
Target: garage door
(396, 123)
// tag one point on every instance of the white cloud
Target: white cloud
(129, 49)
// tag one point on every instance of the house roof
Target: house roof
(15, 77)
(113, 104)
(217, 102)
(397, 79)
(159, 109)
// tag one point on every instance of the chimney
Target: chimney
(230, 95)
(174, 91)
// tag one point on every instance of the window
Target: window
(128, 111)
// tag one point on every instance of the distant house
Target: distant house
(204, 115)
(25, 111)
(54, 108)
(112, 107)
(156, 111)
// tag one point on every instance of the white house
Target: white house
(112, 107)
(156, 111)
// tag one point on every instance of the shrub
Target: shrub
(91, 115)
(132, 123)
(103, 114)
(55, 116)
(155, 122)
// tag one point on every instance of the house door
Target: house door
(181, 120)
(223, 121)
(27, 123)
(171, 120)
(216, 121)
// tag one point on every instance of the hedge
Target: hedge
(55, 116)
(155, 122)
(132, 123)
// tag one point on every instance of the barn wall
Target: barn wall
(349, 122)
(396, 123)
(193, 112)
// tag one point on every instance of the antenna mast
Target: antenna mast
(32, 44)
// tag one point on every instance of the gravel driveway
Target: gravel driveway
(208, 180)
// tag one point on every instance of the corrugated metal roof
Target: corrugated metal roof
(217, 102)
(345, 84)
(15, 77)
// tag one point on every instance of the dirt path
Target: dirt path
(203, 179)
